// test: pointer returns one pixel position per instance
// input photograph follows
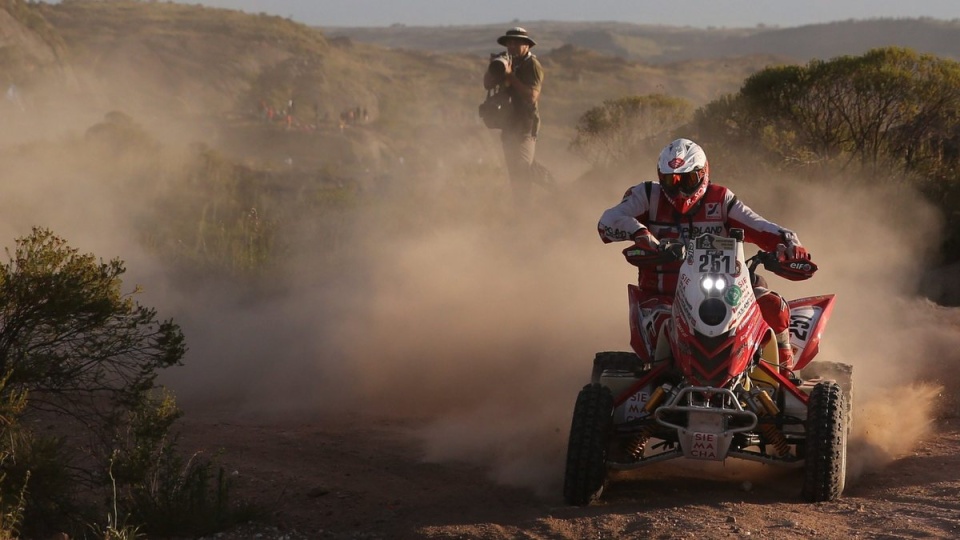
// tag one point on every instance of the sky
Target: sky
(696, 13)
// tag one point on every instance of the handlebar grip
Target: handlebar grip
(794, 270)
(676, 250)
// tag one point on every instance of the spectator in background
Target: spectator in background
(521, 75)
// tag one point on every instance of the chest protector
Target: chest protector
(709, 216)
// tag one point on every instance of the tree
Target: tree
(889, 111)
(889, 115)
(86, 355)
(614, 131)
(70, 337)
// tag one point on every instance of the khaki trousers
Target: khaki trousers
(518, 152)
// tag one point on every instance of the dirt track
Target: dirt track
(327, 478)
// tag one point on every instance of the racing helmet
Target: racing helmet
(684, 174)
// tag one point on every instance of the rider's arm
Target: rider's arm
(624, 221)
(757, 230)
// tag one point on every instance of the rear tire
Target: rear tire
(586, 471)
(837, 371)
(614, 361)
(826, 456)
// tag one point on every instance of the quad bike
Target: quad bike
(704, 380)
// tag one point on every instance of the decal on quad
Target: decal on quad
(802, 320)
(633, 407)
(732, 298)
(704, 446)
(745, 303)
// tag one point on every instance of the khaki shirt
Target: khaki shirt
(526, 113)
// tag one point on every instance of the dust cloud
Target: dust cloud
(515, 383)
(476, 319)
(871, 243)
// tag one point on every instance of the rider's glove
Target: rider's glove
(647, 251)
(673, 249)
(643, 240)
(796, 251)
(792, 252)
(791, 248)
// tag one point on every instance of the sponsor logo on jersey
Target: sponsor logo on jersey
(706, 242)
(615, 234)
(713, 210)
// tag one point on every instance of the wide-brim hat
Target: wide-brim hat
(516, 33)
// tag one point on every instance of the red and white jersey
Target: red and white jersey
(643, 207)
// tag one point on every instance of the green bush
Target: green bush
(81, 358)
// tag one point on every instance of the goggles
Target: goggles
(685, 183)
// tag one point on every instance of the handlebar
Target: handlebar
(792, 269)
(672, 250)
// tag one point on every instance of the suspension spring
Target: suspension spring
(770, 431)
(776, 438)
(636, 445)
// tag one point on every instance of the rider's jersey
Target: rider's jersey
(719, 211)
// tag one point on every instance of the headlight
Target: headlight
(713, 311)
(713, 283)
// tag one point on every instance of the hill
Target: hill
(218, 69)
(227, 79)
(29, 45)
(217, 72)
(662, 44)
(211, 75)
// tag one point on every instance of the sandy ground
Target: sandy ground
(357, 478)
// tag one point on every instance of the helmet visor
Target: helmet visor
(681, 183)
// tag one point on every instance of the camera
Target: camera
(499, 63)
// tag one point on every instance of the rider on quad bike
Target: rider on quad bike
(683, 205)
(706, 379)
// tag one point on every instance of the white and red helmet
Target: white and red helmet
(684, 174)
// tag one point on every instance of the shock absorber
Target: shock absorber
(636, 445)
(656, 398)
(770, 431)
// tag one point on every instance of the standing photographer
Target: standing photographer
(519, 73)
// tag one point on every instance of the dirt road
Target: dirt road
(329, 478)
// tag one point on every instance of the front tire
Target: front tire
(826, 457)
(586, 471)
